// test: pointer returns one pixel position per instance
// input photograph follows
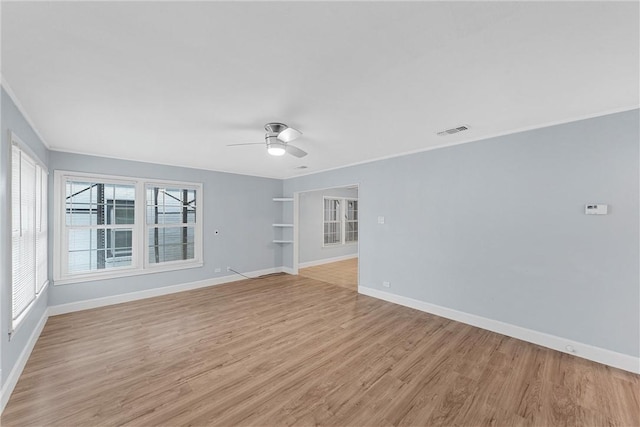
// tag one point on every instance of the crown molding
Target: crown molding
(7, 88)
(482, 138)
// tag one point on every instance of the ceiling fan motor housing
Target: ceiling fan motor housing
(275, 128)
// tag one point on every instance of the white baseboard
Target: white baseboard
(586, 351)
(15, 373)
(55, 310)
(326, 260)
(288, 270)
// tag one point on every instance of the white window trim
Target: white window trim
(343, 221)
(139, 263)
(14, 325)
(198, 225)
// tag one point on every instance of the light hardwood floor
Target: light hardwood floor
(340, 273)
(293, 350)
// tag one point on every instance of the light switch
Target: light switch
(594, 209)
(380, 220)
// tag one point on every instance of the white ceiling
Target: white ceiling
(174, 82)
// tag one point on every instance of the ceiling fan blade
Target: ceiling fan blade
(289, 134)
(295, 151)
(246, 143)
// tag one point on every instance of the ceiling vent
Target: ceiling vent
(452, 130)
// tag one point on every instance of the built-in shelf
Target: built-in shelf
(282, 234)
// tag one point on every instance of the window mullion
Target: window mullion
(34, 238)
(139, 233)
(20, 190)
(99, 226)
(343, 215)
(177, 224)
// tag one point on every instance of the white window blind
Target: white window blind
(42, 229)
(28, 232)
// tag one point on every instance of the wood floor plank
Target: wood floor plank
(295, 350)
(340, 273)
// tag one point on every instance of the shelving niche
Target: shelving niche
(282, 229)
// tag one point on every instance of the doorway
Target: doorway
(326, 244)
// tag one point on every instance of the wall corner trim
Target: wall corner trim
(15, 373)
(585, 351)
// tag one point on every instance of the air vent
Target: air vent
(302, 167)
(452, 130)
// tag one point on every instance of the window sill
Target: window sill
(126, 273)
(338, 245)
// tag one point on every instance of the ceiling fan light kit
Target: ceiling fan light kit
(275, 147)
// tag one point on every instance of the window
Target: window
(340, 221)
(28, 231)
(351, 221)
(171, 220)
(115, 226)
(99, 219)
(332, 221)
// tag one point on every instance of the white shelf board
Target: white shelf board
(283, 199)
(283, 241)
(282, 225)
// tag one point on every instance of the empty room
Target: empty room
(345, 213)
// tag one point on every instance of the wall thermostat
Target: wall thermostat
(594, 209)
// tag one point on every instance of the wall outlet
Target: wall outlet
(386, 284)
(380, 220)
(218, 270)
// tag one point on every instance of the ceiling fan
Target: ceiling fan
(277, 140)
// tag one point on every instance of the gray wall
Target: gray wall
(12, 119)
(310, 226)
(239, 206)
(496, 228)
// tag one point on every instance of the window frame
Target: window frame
(337, 221)
(342, 215)
(41, 227)
(198, 223)
(347, 220)
(64, 228)
(139, 262)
